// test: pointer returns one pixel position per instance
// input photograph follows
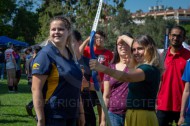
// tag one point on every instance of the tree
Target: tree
(25, 25)
(170, 8)
(49, 9)
(118, 25)
(81, 13)
(139, 11)
(187, 28)
(17, 21)
(7, 9)
(155, 27)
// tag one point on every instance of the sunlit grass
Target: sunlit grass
(12, 105)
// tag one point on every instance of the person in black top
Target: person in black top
(90, 118)
(2, 63)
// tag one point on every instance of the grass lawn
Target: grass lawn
(12, 105)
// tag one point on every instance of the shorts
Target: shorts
(11, 73)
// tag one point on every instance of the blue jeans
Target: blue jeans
(2, 67)
(187, 121)
(61, 122)
(116, 119)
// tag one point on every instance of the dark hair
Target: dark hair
(116, 57)
(28, 49)
(9, 44)
(180, 28)
(99, 32)
(37, 48)
(16, 49)
(77, 35)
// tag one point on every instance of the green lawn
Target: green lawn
(12, 105)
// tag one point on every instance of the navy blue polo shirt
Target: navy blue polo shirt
(62, 87)
(84, 62)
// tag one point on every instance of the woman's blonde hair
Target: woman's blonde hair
(151, 55)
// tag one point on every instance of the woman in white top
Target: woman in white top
(10, 66)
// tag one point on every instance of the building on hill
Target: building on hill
(179, 15)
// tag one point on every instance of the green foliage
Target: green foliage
(117, 26)
(25, 24)
(81, 13)
(16, 20)
(6, 30)
(7, 8)
(155, 27)
(19, 22)
(187, 28)
(49, 9)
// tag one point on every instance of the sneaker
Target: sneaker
(29, 110)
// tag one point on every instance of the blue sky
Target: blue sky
(134, 5)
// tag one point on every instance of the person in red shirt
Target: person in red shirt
(171, 85)
(104, 56)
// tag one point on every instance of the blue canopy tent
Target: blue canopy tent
(4, 40)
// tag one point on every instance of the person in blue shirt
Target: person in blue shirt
(184, 119)
(56, 78)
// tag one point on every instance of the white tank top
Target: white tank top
(9, 58)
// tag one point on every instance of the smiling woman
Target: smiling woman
(56, 79)
(144, 80)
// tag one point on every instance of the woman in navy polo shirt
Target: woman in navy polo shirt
(56, 78)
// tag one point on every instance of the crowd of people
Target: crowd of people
(13, 63)
(140, 87)
(10, 60)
